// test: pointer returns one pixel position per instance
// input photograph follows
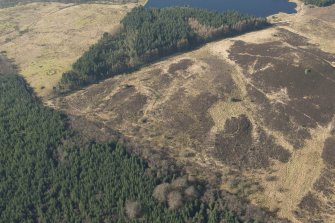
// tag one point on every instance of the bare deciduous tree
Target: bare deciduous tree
(161, 191)
(191, 192)
(175, 200)
(133, 209)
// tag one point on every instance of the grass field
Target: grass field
(44, 39)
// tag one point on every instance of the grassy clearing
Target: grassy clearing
(44, 39)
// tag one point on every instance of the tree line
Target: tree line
(150, 34)
(320, 3)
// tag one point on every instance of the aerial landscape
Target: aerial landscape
(167, 111)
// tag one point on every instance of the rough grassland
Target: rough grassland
(252, 114)
(44, 39)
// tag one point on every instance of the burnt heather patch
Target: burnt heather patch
(310, 203)
(181, 65)
(237, 146)
(328, 154)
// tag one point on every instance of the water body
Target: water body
(252, 7)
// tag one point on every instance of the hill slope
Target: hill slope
(256, 110)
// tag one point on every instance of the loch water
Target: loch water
(262, 8)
